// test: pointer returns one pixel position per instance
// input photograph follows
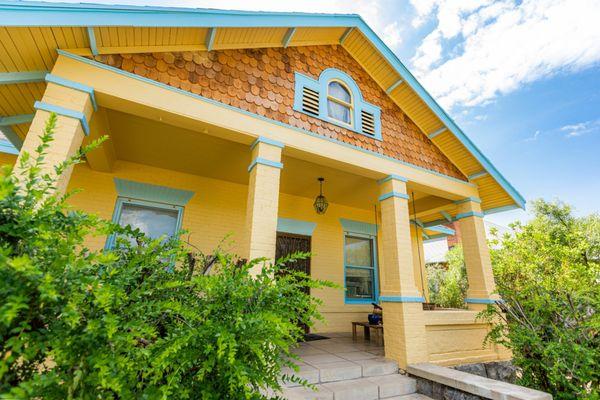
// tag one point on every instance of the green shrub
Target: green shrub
(143, 321)
(548, 275)
(448, 285)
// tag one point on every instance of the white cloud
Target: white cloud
(502, 45)
(533, 138)
(581, 128)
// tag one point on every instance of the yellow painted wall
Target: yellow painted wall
(218, 209)
(456, 337)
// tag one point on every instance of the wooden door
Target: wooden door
(288, 243)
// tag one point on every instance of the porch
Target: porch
(217, 172)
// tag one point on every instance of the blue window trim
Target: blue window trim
(294, 226)
(148, 195)
(110, 242)
(321, 86)
(375, 298)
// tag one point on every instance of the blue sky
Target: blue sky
(522, 78)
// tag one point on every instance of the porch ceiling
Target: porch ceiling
(158, 144)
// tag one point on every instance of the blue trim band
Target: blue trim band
(210, 38)
(16, 119)
(500, 209)
(442, 229)
(363, 228)
(469, 214)
(439, 131)
(288, 37)
(393, 194)
(481, 301)
(259, 117)
(12, 136)
(7, 147)
(262, 139)
(264, 161)
(92, 39)
(345, 35)
(401, 299)
(65, 112)
(394, 177)
(154, 193)
(446, 215)
(8, 78)
(468, 199)
(288, 225)
(479, 174)
(57, 80)
(394, 86)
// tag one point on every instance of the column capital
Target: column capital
(392, 177)
(391, 194)
(264, 161)
(266, 140)
(65, 112)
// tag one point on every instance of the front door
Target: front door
(289, 243)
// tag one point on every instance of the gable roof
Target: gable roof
(30, 33)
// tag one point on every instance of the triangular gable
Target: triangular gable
(116, 29)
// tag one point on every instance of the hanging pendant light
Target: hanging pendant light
(321, 203)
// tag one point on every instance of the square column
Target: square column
(73, 104)
(403, 317)
(263, 199)
(476, 254)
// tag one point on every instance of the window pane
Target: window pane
(359, 283)
(338, 91)
(153, 221)
(338, 111)
(359, 252)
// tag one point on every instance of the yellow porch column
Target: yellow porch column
(476, 253)
(74, 104)
(404, 331)
(263, 198)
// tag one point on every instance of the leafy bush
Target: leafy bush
(145, 320)
(448, 285)
(548, 274)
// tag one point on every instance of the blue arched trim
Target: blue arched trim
(358, 104)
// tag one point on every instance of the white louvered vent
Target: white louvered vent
(310, 101)
(368, 123)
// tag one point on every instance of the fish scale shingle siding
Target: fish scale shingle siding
(261, 81)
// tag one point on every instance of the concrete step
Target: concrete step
(373, 388)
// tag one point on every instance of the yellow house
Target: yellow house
(222, 122)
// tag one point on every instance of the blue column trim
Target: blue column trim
(210, 38)
(295, 226)
(394, 177)
(65, 112)
(92, 39)
(154, 193)
(288, 37)
(16, 119)
(7, 147)
(401, 299)
(8, 78)
(264, 161)
(262, 139)
(57, 80)
(393, 194)
(478, 175)
(438, 132)
(481, 301)
(468, 214)
(467, 199)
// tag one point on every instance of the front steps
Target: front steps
(343, 369)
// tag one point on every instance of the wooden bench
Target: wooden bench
(367, 329)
